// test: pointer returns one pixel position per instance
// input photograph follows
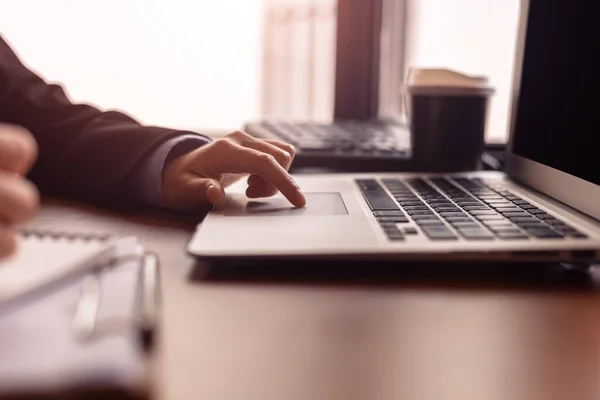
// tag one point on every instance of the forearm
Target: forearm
(84, 153)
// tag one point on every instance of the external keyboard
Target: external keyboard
(452, 208)
(346, 145)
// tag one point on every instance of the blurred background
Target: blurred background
(214, 65)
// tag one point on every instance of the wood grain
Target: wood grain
(257, 339)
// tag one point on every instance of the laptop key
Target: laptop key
(507, 209)
(457, 225)
(563, 227)
(505, 229)
(416, 208)
(528, 227)
(411, 231)
(475, 234)
(368, 184)
(554, 222)
(401, 194)
(430, 222)
(498, 203)
(396, 236)
(392, 213)
(524, 220)
(529, 207)
(545, 217)
(473, 209)
(498, 223)
(463, 218)
(378, 200)
(486, 212)
(472, 203)
(536, 211)
(569, 231)
(511, 235)
(490, 217)
(516, 214)
(441, 209)
(545, 233)
(396, 218)
(447, 214)
(499, 228)
(420, 213)
(409, 203)
(430, 216)
(505, 204)
(579, 235)
(438, 233)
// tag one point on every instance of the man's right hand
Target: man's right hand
(18, 197)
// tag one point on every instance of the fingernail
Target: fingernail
(211, 193)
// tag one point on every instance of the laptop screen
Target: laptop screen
(558, 112)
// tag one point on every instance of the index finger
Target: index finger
(266, 166)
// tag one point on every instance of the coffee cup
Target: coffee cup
(447, 114)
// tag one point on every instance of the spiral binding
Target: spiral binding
(46, 233)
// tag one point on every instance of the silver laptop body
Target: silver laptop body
(534, 211)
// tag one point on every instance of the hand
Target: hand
(199, 177)
(18, 197)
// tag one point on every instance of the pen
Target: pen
(148, 300)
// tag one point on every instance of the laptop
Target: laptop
(545, 206)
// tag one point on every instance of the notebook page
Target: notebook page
(42, 261)
(40, 352)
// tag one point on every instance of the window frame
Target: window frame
(370, 58)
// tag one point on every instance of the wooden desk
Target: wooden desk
(266, 341)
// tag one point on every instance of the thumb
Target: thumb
(211, 190)
(191, 192)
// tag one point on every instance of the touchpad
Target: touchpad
(316, 204)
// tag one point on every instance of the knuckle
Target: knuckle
(291, 150)
(238, 135)
(223, 145)
(285, 157)
(267, 160)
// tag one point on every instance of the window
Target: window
(179, 63)
(206, 64)
(473, 36)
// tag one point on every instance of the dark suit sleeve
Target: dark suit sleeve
(84, 153)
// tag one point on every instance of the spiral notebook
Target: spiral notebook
(45, 259)
(70, 316)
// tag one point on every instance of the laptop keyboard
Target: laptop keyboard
(449, 209)
(373, 138)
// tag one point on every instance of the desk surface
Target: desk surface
(265, 341)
